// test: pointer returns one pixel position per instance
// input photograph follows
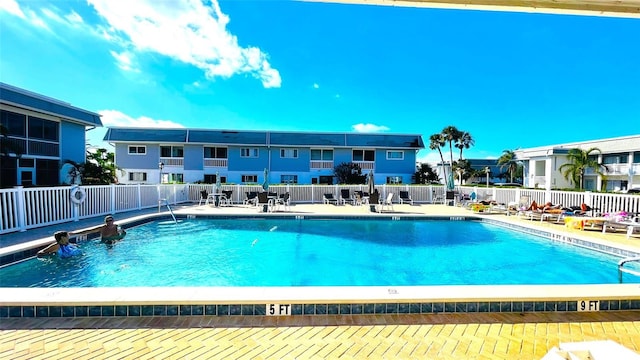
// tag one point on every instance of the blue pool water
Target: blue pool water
(277, 252)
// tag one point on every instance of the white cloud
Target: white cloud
(116, 118)
(187, 31)
(369, 128)
(12, 7)
(316, 86)
(124, 61)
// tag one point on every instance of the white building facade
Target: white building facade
(620, 155)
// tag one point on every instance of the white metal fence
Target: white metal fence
(22, 209)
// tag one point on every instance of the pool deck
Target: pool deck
(448, 336)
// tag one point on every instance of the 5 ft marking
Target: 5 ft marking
(278, 309)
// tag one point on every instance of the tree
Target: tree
(99, 169)
(451, 134)
(508, 160)
(579, 161)
(436, 142)
(465, 141)
(425, 174)
(349, 173)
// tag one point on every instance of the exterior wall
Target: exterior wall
(545, 163)
(69, 150)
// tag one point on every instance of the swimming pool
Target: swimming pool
(293, 252)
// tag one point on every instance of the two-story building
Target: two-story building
(39, 134)
(192, 155)
(620, 155)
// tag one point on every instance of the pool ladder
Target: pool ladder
(621, 268)
(166, 202)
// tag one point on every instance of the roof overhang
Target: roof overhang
(610, 8)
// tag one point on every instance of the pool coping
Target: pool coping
(191, 301)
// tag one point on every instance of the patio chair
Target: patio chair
(251, 198)
(405, 198)
(203, 197)
(374, 202)
(621, 220)
(264, 204)
(329, 199)
(283, 200)
(225, 198)
(345, 197)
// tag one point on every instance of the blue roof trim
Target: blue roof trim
(20, 97)
(263, 138)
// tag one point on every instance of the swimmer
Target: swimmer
(254, 242)
(61, 247)
(110, 232)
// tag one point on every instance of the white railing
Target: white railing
(315, 164)
(216, 163)
(26, 208)
(169, 161)
(365, 165)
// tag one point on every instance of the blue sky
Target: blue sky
(513, 80)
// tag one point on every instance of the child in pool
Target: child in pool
(61, 247)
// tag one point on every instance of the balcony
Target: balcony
(221, 163)
(615, 169)
(172, 161)
(320, 165)
(365, 165)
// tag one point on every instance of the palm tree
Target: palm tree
(508, 160)
(579, 161)
(465, 141)
(436, 142)
(451, 134)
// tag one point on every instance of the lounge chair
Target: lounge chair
(204, 195)
(621, 220)
(345, 197)
(329, 199)
(388, 202)
(405, 198)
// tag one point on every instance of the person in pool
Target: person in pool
(61, 247)
(110, 232)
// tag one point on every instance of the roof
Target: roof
(18, 97)
(263, 138)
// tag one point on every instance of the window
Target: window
(249, 152)
(615, 159)
(211, 179)
(137, 150)
(137, 176)
(14, 123)
(171, 151)
(215, 152)
(394, 180)
(364, 155)
(322, 154)
(43, 129)
(174, 178)
(395, 155)
(249, 178)
(289, 153)
(636, 157)
(289, 179)
(326, 180)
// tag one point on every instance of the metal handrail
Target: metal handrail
(168, 207)
(621, 268)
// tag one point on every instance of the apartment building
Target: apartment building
(202, 155)
(621, 156)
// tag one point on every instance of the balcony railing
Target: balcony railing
(216, 163)
(171, 161)
(365, 165)
(316, 164)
